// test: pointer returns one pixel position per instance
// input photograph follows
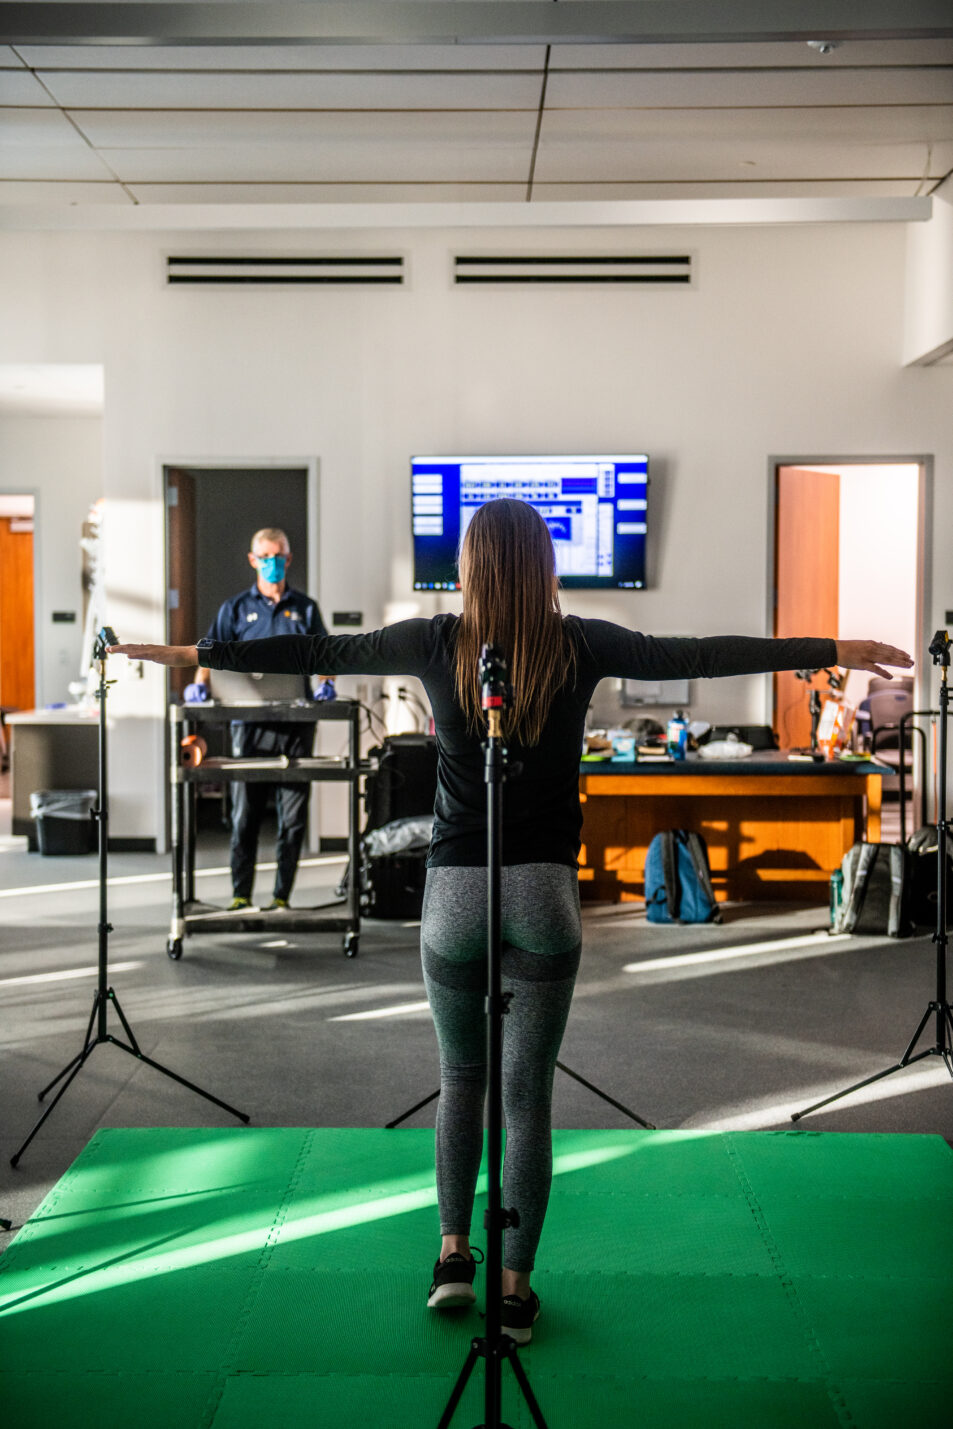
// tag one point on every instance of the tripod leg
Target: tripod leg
(167, 1072)
(410, 1111)
(122, 1018)
(916, 1036)
(41, 1096)
(460, 1385)
(525, 1386)
(79, 1055)
(877, 1077)
(649, 1126)
(76, 1064)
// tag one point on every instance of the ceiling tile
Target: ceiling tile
(317, 147)
(710, 158)
(330, 193)
(65, 191)
(601, 191)
(74, 89)
(9, 59)
(263, 58)
(19, 87)
(42, 144)
(742, 56)
(752, 88)
(752, 126)
(299, 131)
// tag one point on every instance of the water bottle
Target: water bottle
(676, 735)
(836, 895)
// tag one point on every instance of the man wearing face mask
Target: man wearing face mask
(270, 607)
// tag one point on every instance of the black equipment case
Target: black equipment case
(403, 785)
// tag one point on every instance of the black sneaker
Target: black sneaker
(518, 1317)
(453, 1281)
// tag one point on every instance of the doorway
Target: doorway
(848, 549)
(17, 650)
(212, 514)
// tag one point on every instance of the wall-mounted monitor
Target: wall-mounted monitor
(595, 508)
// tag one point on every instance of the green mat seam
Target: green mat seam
(834, 1393)
(228, 1368)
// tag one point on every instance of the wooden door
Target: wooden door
(807, 542)
(180, 566)
(17, 688)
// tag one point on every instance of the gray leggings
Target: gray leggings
(541, 944)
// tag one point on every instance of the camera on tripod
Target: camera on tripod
(105, 637)
(940, 648)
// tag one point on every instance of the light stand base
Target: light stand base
(505, 1350)
(590, 1086)
(942, 1048)
(101, 1000)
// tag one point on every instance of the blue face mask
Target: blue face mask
(271, 569)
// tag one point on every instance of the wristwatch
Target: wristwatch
(204, 647)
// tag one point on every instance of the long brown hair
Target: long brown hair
(511, 600)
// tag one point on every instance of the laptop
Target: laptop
(231, 687)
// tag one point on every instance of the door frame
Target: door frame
(924, 591)
(309, 464)
(38, 681)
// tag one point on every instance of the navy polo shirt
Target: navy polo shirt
(252, 616)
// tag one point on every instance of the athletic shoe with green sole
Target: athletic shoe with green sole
(237, 904)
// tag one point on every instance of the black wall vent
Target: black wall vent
(643, 270)
(207, 271)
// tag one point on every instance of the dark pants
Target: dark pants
(250, 800)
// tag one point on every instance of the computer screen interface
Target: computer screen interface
(595, 508)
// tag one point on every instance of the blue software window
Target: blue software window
(595, 508)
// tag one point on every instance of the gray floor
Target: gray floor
(735, 1040)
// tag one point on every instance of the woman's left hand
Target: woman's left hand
(871, 655)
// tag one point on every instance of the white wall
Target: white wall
(878, 559)
(928, 319)
(59, 459)
(789, 346)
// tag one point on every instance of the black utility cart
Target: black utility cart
(189, 915)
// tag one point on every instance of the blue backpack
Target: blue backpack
(678, 880)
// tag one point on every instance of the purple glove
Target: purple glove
(326, 691)
(195, 694)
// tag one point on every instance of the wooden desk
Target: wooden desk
(775, 828)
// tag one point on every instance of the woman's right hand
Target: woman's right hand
(871, 655)
(173, 655)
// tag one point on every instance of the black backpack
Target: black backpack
(922, 869)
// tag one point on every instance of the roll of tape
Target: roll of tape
(194, 750)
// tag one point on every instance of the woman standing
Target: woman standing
(510, 599)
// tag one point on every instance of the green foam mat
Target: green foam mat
(224, 1279)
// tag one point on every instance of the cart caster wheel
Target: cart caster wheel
(174, 948)
(351, 945)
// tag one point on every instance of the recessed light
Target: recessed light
(824, 47)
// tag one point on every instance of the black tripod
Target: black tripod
(493, 1346)
(940, 1007)
(104, 994)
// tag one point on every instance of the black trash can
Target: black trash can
(64, 823)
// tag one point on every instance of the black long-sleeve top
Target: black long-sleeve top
(542, 817)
